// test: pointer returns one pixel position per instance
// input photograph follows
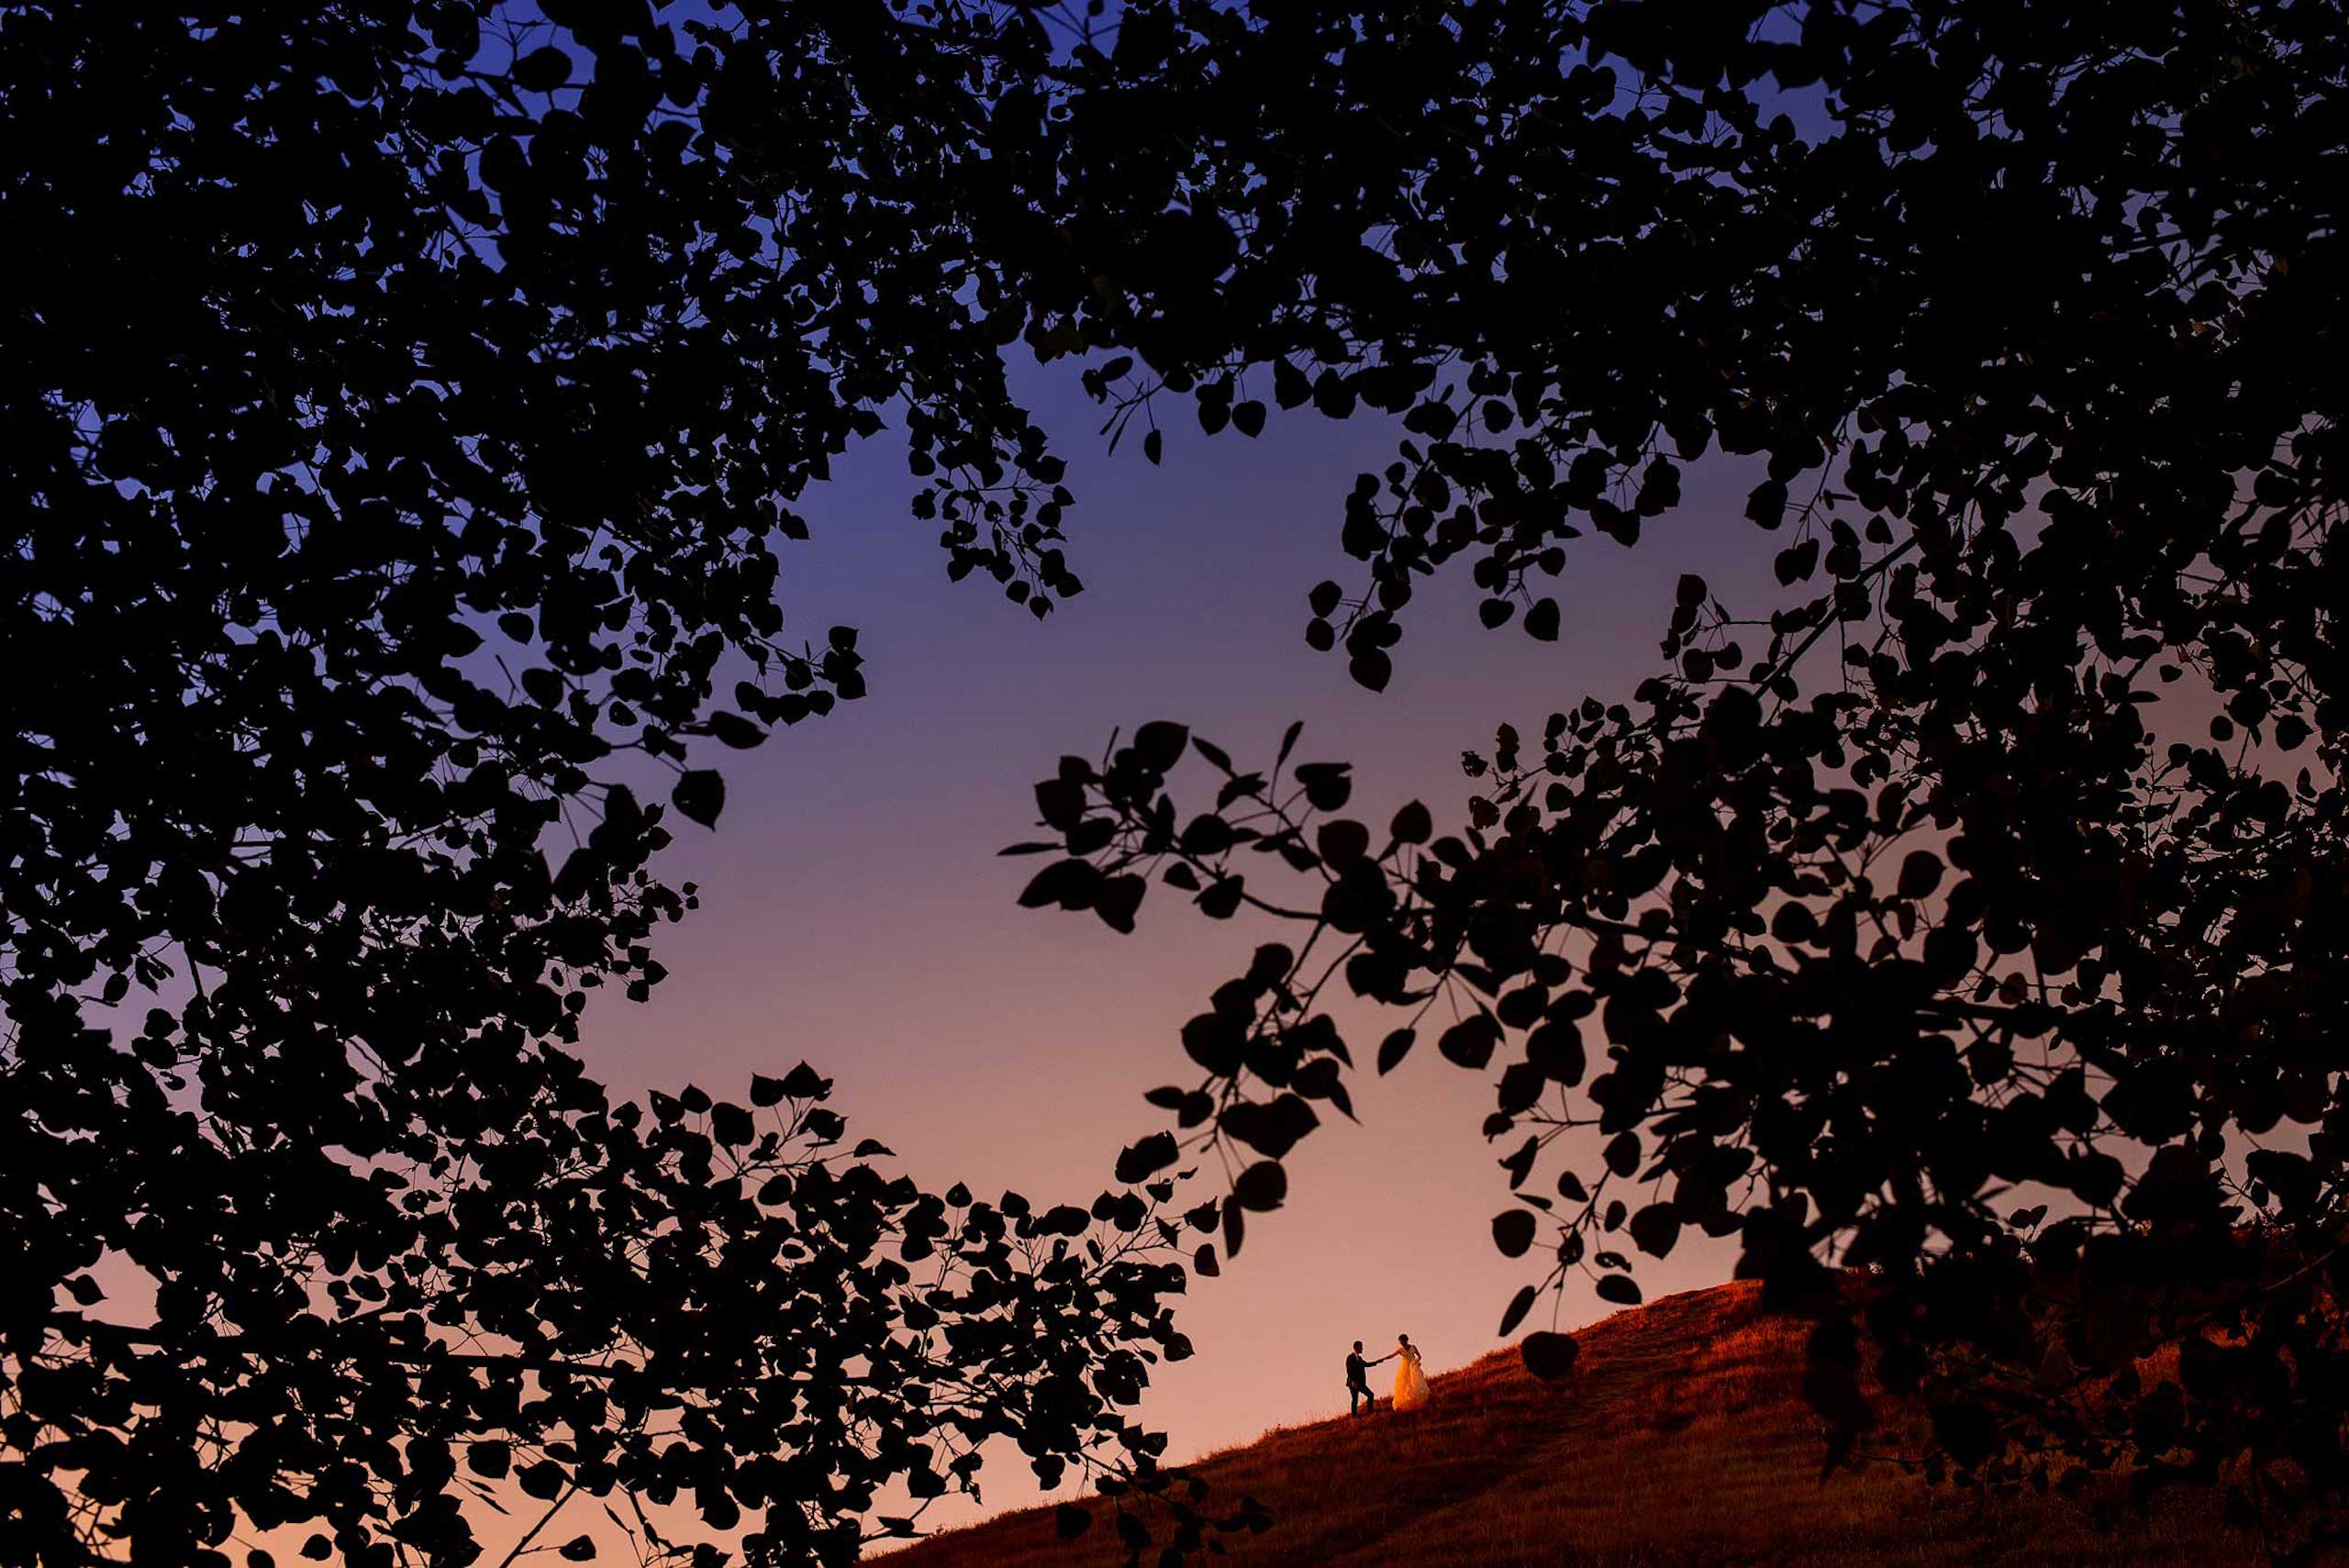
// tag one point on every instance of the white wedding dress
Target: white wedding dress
(1410, 1382)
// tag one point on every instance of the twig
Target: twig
(544, 1519)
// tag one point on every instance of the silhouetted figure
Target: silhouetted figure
(1410, 1382)
(1359, 1398)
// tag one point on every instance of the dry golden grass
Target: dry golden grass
(1681, 1439)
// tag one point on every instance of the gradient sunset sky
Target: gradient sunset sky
(855, 914)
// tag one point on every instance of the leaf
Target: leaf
(1217, 1041)
(1549, 1356)
(1655, 1228)
(545, 1480)
(735, 730)
(1554, 1049)
(1513, 1231)
(1071, 884)
(1290, 386)
(700, 794)
(1618, 1288)
(1342, 841)
(1118, 901)
(1069, 1521)
(578, 1548)
(1142, 1160)
(1221, 900)
(730, 1125)
(1059, 802)
(1519, 1165)
(1289, 742)
(1393, 1048)
(1518, 1305)
(542, 70)
(1920, 873)
(1470, 1042)
(1521, 1089)
(1262, 1187)
(1271, 1128)
(1064, 1220)
(1796, 562)
(1159, 743)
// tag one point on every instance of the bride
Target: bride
(1410, 1382)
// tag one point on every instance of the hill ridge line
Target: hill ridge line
(1680, 1439)
(1602, 1378)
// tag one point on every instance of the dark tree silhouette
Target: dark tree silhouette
(1972, 913)
(404, 406)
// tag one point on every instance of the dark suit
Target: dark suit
(1358, 1394)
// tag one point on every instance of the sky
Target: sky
(854, 912)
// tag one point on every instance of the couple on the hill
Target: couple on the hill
(1410, 1382)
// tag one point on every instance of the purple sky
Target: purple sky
(855, 913)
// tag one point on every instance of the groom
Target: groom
(1359, 1397)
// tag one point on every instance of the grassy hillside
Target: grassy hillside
(1681, 1439)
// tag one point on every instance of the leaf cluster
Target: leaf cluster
(408, 408)
(1959, 931)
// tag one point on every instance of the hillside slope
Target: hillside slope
(1681, 1439)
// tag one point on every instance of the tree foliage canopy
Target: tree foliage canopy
(406, 405)
(1972, 912)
